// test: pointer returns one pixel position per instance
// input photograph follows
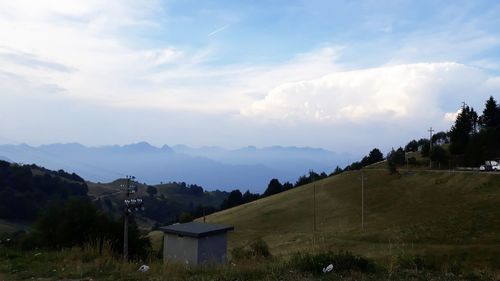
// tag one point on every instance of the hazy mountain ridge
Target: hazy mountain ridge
(5, 159)
(212, 167)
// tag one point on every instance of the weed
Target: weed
(342, 261)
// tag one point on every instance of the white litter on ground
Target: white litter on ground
(143, 268)
(328, 268)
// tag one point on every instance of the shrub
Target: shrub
(77, 223)
(256, 249)
(417, 263)
(342, 261)
(259, 248)
(240, 253)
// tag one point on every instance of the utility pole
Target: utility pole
(407, 161)
(362, 200)
(311, 172)
(430, 147)
(130, 206)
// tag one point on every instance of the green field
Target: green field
(419, 225)
(440, 214)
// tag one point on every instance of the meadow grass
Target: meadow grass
(88, 263)
(439, 214)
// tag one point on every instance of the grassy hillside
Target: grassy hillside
(438, 213)
(10, 227)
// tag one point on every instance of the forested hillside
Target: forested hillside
(25, 190)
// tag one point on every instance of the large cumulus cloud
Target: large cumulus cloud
(398, 92)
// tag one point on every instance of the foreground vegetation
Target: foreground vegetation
(88, 264)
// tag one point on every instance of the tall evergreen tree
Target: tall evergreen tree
(491, 114)
(375, 156)
(391, 163)
(337, 171)
(249, 197)
(460, 133)
(411, 146)
(287, 186)
(273, 187)
(235, 198)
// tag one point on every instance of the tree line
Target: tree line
(24, 193)
(471, 140)
(78, 223)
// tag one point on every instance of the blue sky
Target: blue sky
(372, 32)
(342, 75)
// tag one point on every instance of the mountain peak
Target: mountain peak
(140, 146)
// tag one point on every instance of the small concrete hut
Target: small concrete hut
(195, 243)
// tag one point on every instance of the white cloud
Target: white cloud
(84, 39)
(386, 94)
(163, 56)
(79, 55)
(451, 116)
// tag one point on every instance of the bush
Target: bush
(256, 249)
(342, 261)
(259, 248)
(239, 253)
(77, 223)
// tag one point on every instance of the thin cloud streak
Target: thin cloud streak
(218, 30)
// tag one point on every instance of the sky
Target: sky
(341, 75)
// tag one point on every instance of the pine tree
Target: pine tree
(491, 115)
(274, 187)
(391, 164)
(460, 133)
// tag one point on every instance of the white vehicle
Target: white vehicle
(496, 167)
(490, 165)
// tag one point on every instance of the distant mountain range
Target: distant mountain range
(211, 167)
